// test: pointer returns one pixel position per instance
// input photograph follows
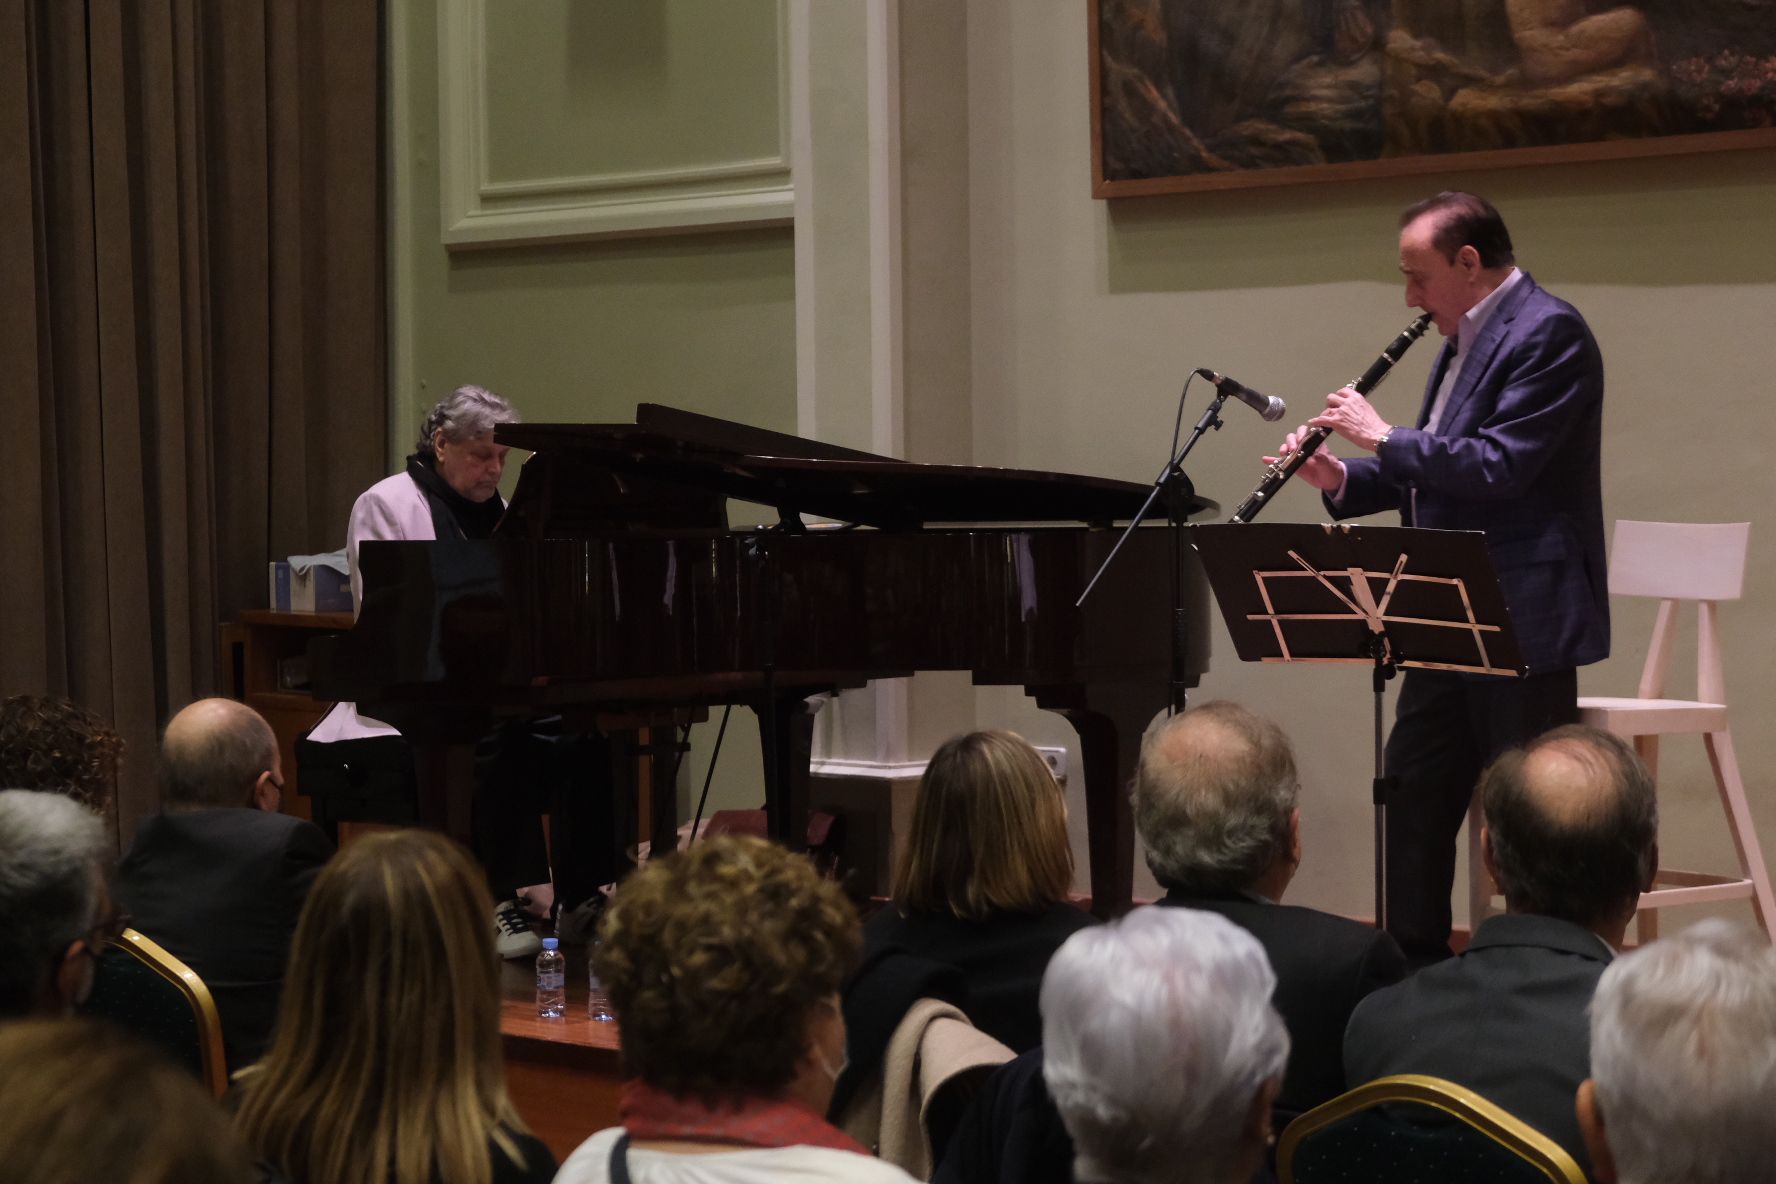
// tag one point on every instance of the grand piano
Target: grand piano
(616, 593)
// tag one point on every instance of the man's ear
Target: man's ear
(267, 795)
(1603, 1164)
(1468, 259)
(1295, 837)
(1488, 859)
(72, 980)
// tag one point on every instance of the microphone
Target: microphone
(1269, 407)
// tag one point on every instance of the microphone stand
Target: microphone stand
(1175, 486)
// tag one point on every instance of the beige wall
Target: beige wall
(1087, 316)
(583, 331)
(1044, 329)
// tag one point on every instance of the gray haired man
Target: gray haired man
(1683, 1062)
(1215, 803)
(1571, 838)
(55, 907)
(1161, 1049)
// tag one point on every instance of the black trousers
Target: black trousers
(523, 769)
(1447, 729)
(527, 768)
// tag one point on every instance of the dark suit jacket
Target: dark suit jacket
(1517, 455)
(1001, 959)
(1012, 1133)
(1324, 966)
(221, 890)
(1506, 1019)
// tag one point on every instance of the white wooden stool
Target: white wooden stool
(1674, 562)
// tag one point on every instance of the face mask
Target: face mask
(844, 1050)
(827, 1066)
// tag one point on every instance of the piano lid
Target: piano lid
(798, 476)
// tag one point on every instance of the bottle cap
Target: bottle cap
(550, 943)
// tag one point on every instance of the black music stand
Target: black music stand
(1385, 596)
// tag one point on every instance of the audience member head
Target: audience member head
(1161, 1048)
(385, 1062)
(55, 905)
(81, 1100)
(1683, 1061)
(723, 963)
(1214, 802)
(220, 753)
(1572, 828)
(52, 744)
(989, 832)
(457, 436)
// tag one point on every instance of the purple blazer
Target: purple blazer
(1517, 456)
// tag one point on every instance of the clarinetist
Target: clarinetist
(1507, 441)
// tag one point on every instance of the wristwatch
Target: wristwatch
(1383, 440)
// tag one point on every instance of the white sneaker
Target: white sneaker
(512, 935)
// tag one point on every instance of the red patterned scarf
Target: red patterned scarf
(650, 1114)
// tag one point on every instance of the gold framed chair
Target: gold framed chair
(1379, 1132)
(140, 986)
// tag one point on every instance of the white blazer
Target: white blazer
(393, 508)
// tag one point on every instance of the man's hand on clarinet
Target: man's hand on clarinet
(1322, 470)
(1351, 416)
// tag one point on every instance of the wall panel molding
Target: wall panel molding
(481, 210)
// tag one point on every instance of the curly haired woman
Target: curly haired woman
(723, 963)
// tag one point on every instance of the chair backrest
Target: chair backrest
(141, 987)
(1677, 561)
(1418, 1128)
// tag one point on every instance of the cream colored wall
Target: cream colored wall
(583, 331)
(1087, 316)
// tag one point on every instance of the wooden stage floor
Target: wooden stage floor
(565, 1075)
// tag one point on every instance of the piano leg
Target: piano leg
(653, 739)
(786, 737)
(1110, 719)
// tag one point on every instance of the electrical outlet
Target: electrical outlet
(1056, 759)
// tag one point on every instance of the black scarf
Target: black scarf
(453, 515)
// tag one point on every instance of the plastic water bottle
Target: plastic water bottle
(551, 980)
(598, 1004)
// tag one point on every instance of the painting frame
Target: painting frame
(1107, 187)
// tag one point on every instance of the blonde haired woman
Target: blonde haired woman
(384, 1067)
(982, 883)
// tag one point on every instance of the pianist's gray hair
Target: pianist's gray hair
(1683, 1057)
(1158, 1042)
(463, 414)
(1213, 796)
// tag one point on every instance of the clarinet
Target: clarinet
(1285, 466)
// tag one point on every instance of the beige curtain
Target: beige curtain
(191, 331)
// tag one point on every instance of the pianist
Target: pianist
(449, 490)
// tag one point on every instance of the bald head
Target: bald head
(1572, 826)
(1213, 798)
(218, 752)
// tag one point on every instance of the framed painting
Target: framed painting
(1208, 94)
